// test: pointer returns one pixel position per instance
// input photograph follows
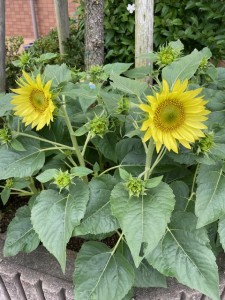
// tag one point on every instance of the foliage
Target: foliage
(74, 46)
(91, 174)
(13, 44)
(119, 32)
(195, 23)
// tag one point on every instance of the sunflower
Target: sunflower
(33, 101)
(174, 116)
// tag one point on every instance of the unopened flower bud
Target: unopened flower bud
(166, 55)
(206, 143)
(62, 179)
(5, 135)
(203, 64)
(98, 126)
(123, 106)
(135, 186)
(9, 183)
(24, 58)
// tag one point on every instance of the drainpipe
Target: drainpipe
(34, 19)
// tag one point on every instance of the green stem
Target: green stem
(139, 99)
(149, 154)
(116, 167)
(86, 143)
(71, 160)
(32, 186)
(41, 139)
(17, 190)
(117, 244)
(192, 187)
(73, 137)
(158, 159)
(22, 194)
(50, 149)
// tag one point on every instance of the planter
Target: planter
(37, 276)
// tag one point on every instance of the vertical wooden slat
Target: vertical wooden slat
(62, 19)
(144, 16)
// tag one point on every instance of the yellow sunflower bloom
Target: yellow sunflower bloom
(175, 116)
(33, 101)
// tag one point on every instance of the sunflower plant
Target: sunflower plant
(103, 154)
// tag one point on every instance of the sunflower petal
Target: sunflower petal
(33, 102)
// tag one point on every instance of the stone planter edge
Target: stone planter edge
(37, 276)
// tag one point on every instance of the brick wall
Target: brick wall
(19, 21)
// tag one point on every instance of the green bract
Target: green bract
(91, 175)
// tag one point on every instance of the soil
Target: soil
(8, 211)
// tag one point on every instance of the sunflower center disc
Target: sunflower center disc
(38, 100)
(169, 115)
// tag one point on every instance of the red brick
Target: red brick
(18, 16)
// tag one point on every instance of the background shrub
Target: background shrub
(196, 23)
(13, 44)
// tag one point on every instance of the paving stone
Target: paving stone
(37, 276)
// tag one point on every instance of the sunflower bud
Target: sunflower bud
(203, 64)
(24, 58)
(206, 143)
(135, 186)
(68, 152)
(96, 74)
(5, 135)
(166, 55)
(123, 106)
(9, 183)
(62, 179)
(98, 126)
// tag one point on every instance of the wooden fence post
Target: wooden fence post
(144, 16)
(62, 19)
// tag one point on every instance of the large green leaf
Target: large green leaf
(146, 276)
(221, 231)
(221, 78)
(55, 215)
(111, 100)
(184, 253)
(127, 85)
(216, 99)
(182, 69)
(5, 194)
(20, 234)
(144, 219)
(6, 106)
(98, 218)
(210, 196)
(216, 104)
(57, 74)
(85, 95)
(106, 145)
(21, 163)
(130, 151)
(140, 72)
(181, 192)
(100, 274)
(117, 68)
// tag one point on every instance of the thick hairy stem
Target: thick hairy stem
(73, 137)
(149, 154)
